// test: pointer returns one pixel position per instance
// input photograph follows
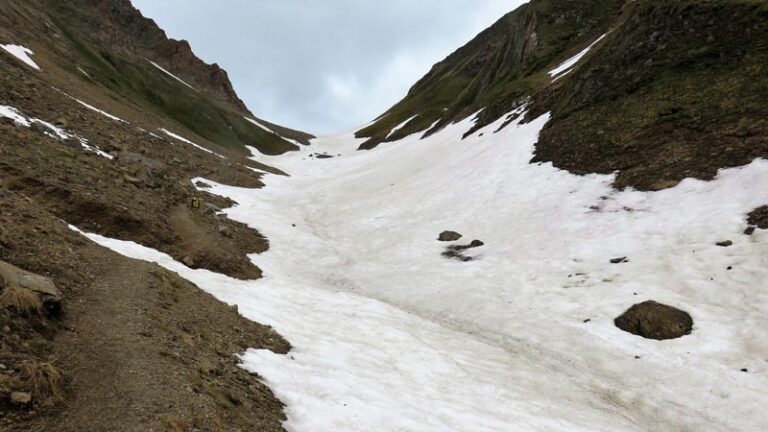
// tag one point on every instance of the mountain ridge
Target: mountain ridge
(650, 68)
(118, 24)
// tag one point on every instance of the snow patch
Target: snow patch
(22, 53)
(186, 141)
(400, 126)
(171, 75)
(50, 129)
(104, 113)
(390, 336)
(567, 66)
(259, 125)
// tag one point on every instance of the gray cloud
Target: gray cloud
(324, 66)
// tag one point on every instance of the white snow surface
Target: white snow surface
(400, 126)
(51, 130)
(568, 65)
(391, 336)
(104, 113)
(261, 126)
(186, 141)
(162, 69)
(22, 53)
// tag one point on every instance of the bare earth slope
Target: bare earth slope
(94, 135)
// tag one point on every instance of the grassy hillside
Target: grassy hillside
(499, 68)
(139, 82)
(677, 90)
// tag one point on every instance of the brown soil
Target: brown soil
(140, 348)
(143, 195)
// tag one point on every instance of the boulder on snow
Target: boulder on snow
(653, 320)
(449, 236)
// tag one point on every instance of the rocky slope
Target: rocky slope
(106, 123)
(93, 134)
(499, 69)
(117, 24)
(672, 91)
(108, 44)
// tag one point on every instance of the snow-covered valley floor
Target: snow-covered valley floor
(391, 336)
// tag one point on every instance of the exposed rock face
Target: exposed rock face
(118, 24)
(653, 320)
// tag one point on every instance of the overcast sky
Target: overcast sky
(324, 65)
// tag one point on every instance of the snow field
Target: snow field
(391, 336)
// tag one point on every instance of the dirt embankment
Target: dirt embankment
(135, 348)
(139, 347)
(143, 194)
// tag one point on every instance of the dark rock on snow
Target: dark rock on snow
(449, 236)
(653, 320)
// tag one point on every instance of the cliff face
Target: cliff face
(117, 24)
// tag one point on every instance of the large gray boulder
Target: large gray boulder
(12, 276)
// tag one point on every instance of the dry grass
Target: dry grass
(8, 383)
(175, 424)
(44, 380)
(22, 301)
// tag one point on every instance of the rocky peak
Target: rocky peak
(119, 25)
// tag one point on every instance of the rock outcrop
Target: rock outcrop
(118, 24)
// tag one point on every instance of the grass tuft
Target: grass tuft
(45, 381)
(22, 301)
